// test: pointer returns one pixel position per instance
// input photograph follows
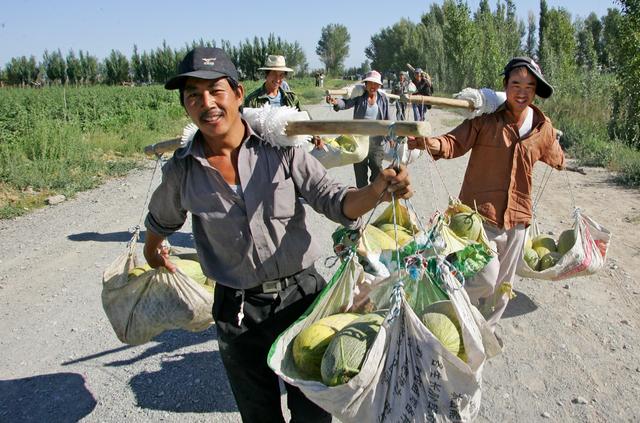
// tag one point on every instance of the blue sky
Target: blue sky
(28, 27)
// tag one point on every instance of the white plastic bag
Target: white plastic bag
(140, 308)
(407, 374)
(333, 155)
(586, 257)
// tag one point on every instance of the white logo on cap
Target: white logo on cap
(209, 61)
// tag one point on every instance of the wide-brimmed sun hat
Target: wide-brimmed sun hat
(543, 88)
(276, 63)
(204, 63)
(373, 76)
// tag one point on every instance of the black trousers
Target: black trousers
(244, 348)
(372, 162)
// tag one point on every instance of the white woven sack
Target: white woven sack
(586, 257)
(407, 374)
(331, 156)
(142, 307)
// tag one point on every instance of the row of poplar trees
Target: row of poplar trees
(155, 66)
(463, 48)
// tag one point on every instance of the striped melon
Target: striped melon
(310, 344)
(347, 350)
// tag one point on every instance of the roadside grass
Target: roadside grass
(581, 108)
(62, 141)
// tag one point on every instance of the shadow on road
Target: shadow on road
(519, 305)
(178, 239)
(58, 397)
(166, 342)
(186, 383)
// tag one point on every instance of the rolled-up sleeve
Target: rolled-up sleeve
(553, 154)
(166, 214)
(321, 192)
(458, 141)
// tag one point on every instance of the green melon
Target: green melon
(347, 350)
(566, 240)
(446, 330)
(544, 240)
(549, 260)
(310, 344)
(466, 225)
(528, 243)
(541, 251)
(192, 269)
(531, 258)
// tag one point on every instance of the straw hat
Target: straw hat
(276, 63)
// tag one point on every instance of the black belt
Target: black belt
(272, 287)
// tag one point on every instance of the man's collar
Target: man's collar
(195, 146)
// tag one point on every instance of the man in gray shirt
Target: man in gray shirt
(250, 228)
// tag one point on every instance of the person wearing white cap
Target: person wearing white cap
(373, 104)
(505, 145)
(273, 90)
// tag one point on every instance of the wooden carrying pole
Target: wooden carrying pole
(162, 147)
(426, 99)
(324, 127)
(358, 127)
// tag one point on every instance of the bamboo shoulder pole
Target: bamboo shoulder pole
(162, 147)
(358, 127)
(426, 99)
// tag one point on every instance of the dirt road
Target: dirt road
(572, 348)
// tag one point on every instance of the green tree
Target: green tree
(116, 67)
(333, 47)
(625, 121)
(22, 71)
(89, 66)
(558, 49)
(164, 63)
(530, 45)
(611, 33)
(395, 46)
(587, 56)
(55, 66)
(74, 68)
(460, 38)
(435, 63)
(136, 65)
(542, 29)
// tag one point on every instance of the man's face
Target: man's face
(520, 89)
(212, 105)
(371, 87)
(274, 80)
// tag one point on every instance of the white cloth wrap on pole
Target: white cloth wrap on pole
(485, 100)
(586, 257)
(407, 374)
(271, 122)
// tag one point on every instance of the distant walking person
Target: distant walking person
(372, 105)
(422, 81)
(403, 87)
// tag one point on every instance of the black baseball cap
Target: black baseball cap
(543, 88)
(204, 63)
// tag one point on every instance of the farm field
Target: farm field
(571, 348)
